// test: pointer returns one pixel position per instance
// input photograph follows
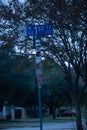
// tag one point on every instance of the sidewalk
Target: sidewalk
(39, 129)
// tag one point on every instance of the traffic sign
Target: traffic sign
(22, 31)
(46, 29)
(31, 30)
(36, 30)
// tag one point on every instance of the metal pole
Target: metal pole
(40, 106)
(39, 77)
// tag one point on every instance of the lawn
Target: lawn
(32, 122)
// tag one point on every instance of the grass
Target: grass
(59, 119)
(17, 123)
(32, 122)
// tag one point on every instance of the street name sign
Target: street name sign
(36, 30)
(22, 31)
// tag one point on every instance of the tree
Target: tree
(14, 47)
(16, 79)
(6, 77)
(54, 88)
(13, 15)
(23, 89)
(68, 47)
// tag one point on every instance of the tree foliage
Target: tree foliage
(55, 90)
(67, 47)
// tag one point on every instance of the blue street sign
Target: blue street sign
(36, 30)
(39, 30)
(31, 30)
(46, 29)
(22, 31)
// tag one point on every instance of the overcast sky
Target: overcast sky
(6, 1)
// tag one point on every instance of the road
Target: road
(50, 126)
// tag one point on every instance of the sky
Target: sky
(6, 1)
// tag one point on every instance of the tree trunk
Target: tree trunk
(51, 108)
(54, 113)
(78, 118)
(85, 113)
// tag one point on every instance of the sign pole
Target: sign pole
(40, 106)
(39, 77)
(37, 30)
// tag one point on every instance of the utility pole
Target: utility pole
(39, 75)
